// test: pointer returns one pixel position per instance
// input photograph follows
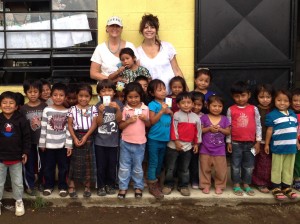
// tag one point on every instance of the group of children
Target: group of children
(183, 133)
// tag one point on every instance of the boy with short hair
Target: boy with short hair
(14, 148)
(185, 136)
(245, 137)
(33, 111)
(56, 141)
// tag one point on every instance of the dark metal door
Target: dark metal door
(250, 40)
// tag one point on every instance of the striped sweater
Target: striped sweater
(54, 129)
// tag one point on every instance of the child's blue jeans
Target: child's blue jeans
(15, 172)
(242, 162)
(131, 158)
(157, 150)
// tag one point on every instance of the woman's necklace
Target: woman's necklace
(114, 52)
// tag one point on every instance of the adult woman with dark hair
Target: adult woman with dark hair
(159, 57)
(105, 60)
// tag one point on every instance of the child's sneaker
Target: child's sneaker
(20, 210)
(101, 191)
(110, 190)
(167, 190)
(195, 186)
(31, 191)
(184, 191)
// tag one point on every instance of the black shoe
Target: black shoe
(109, 190)
(101, 191)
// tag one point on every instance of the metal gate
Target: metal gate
(250, 40)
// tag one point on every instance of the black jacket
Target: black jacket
(15, 139)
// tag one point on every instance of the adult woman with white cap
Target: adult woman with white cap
(105, 59)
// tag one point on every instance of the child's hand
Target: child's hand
(214, 128)
(101, 108)
(121, 69)
(267, 149)
(143, 117)
(195, 149)
(24, 158)
(164, 108)
(114, 105)
(77, 142)
(69, 152)
(229, 147)
(83, 140)
(178, 145)
(132, 119)
(257, 147)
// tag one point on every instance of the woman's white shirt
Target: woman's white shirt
(159, 66)
(107, 60)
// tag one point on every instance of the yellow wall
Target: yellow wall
(176, 19)
(176, 26)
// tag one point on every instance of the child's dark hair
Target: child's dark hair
(215, 98)
(178, 79)
(20, 99)
(133, 86)
(141, 77)
(8, 95)
(37, 84)
(184, 95)
(72, 88)
(204, 71)
(127, 50)
(240, 87)
(268, 88)
(198, 96)
(153, 85)
(59, 86)
(284, 92)
(106, 83)
(85, 87)
(296, 92)
(46, 82)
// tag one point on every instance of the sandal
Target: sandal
(72, 192)
(63, 193)
(87, 192)
(138, 193)
(122, 195)
(278, 194)
(289, 193)
(263, 189)
(47, 192)
(238, 191)
(249, 191)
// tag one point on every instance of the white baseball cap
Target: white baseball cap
(114, 20)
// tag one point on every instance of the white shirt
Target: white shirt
(107, 60)
(159, 66)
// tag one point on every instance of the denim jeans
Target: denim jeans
(242, 162)
(180, 159)
(157, 150)
(53, 157)
(131, 158)
(15, 172)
